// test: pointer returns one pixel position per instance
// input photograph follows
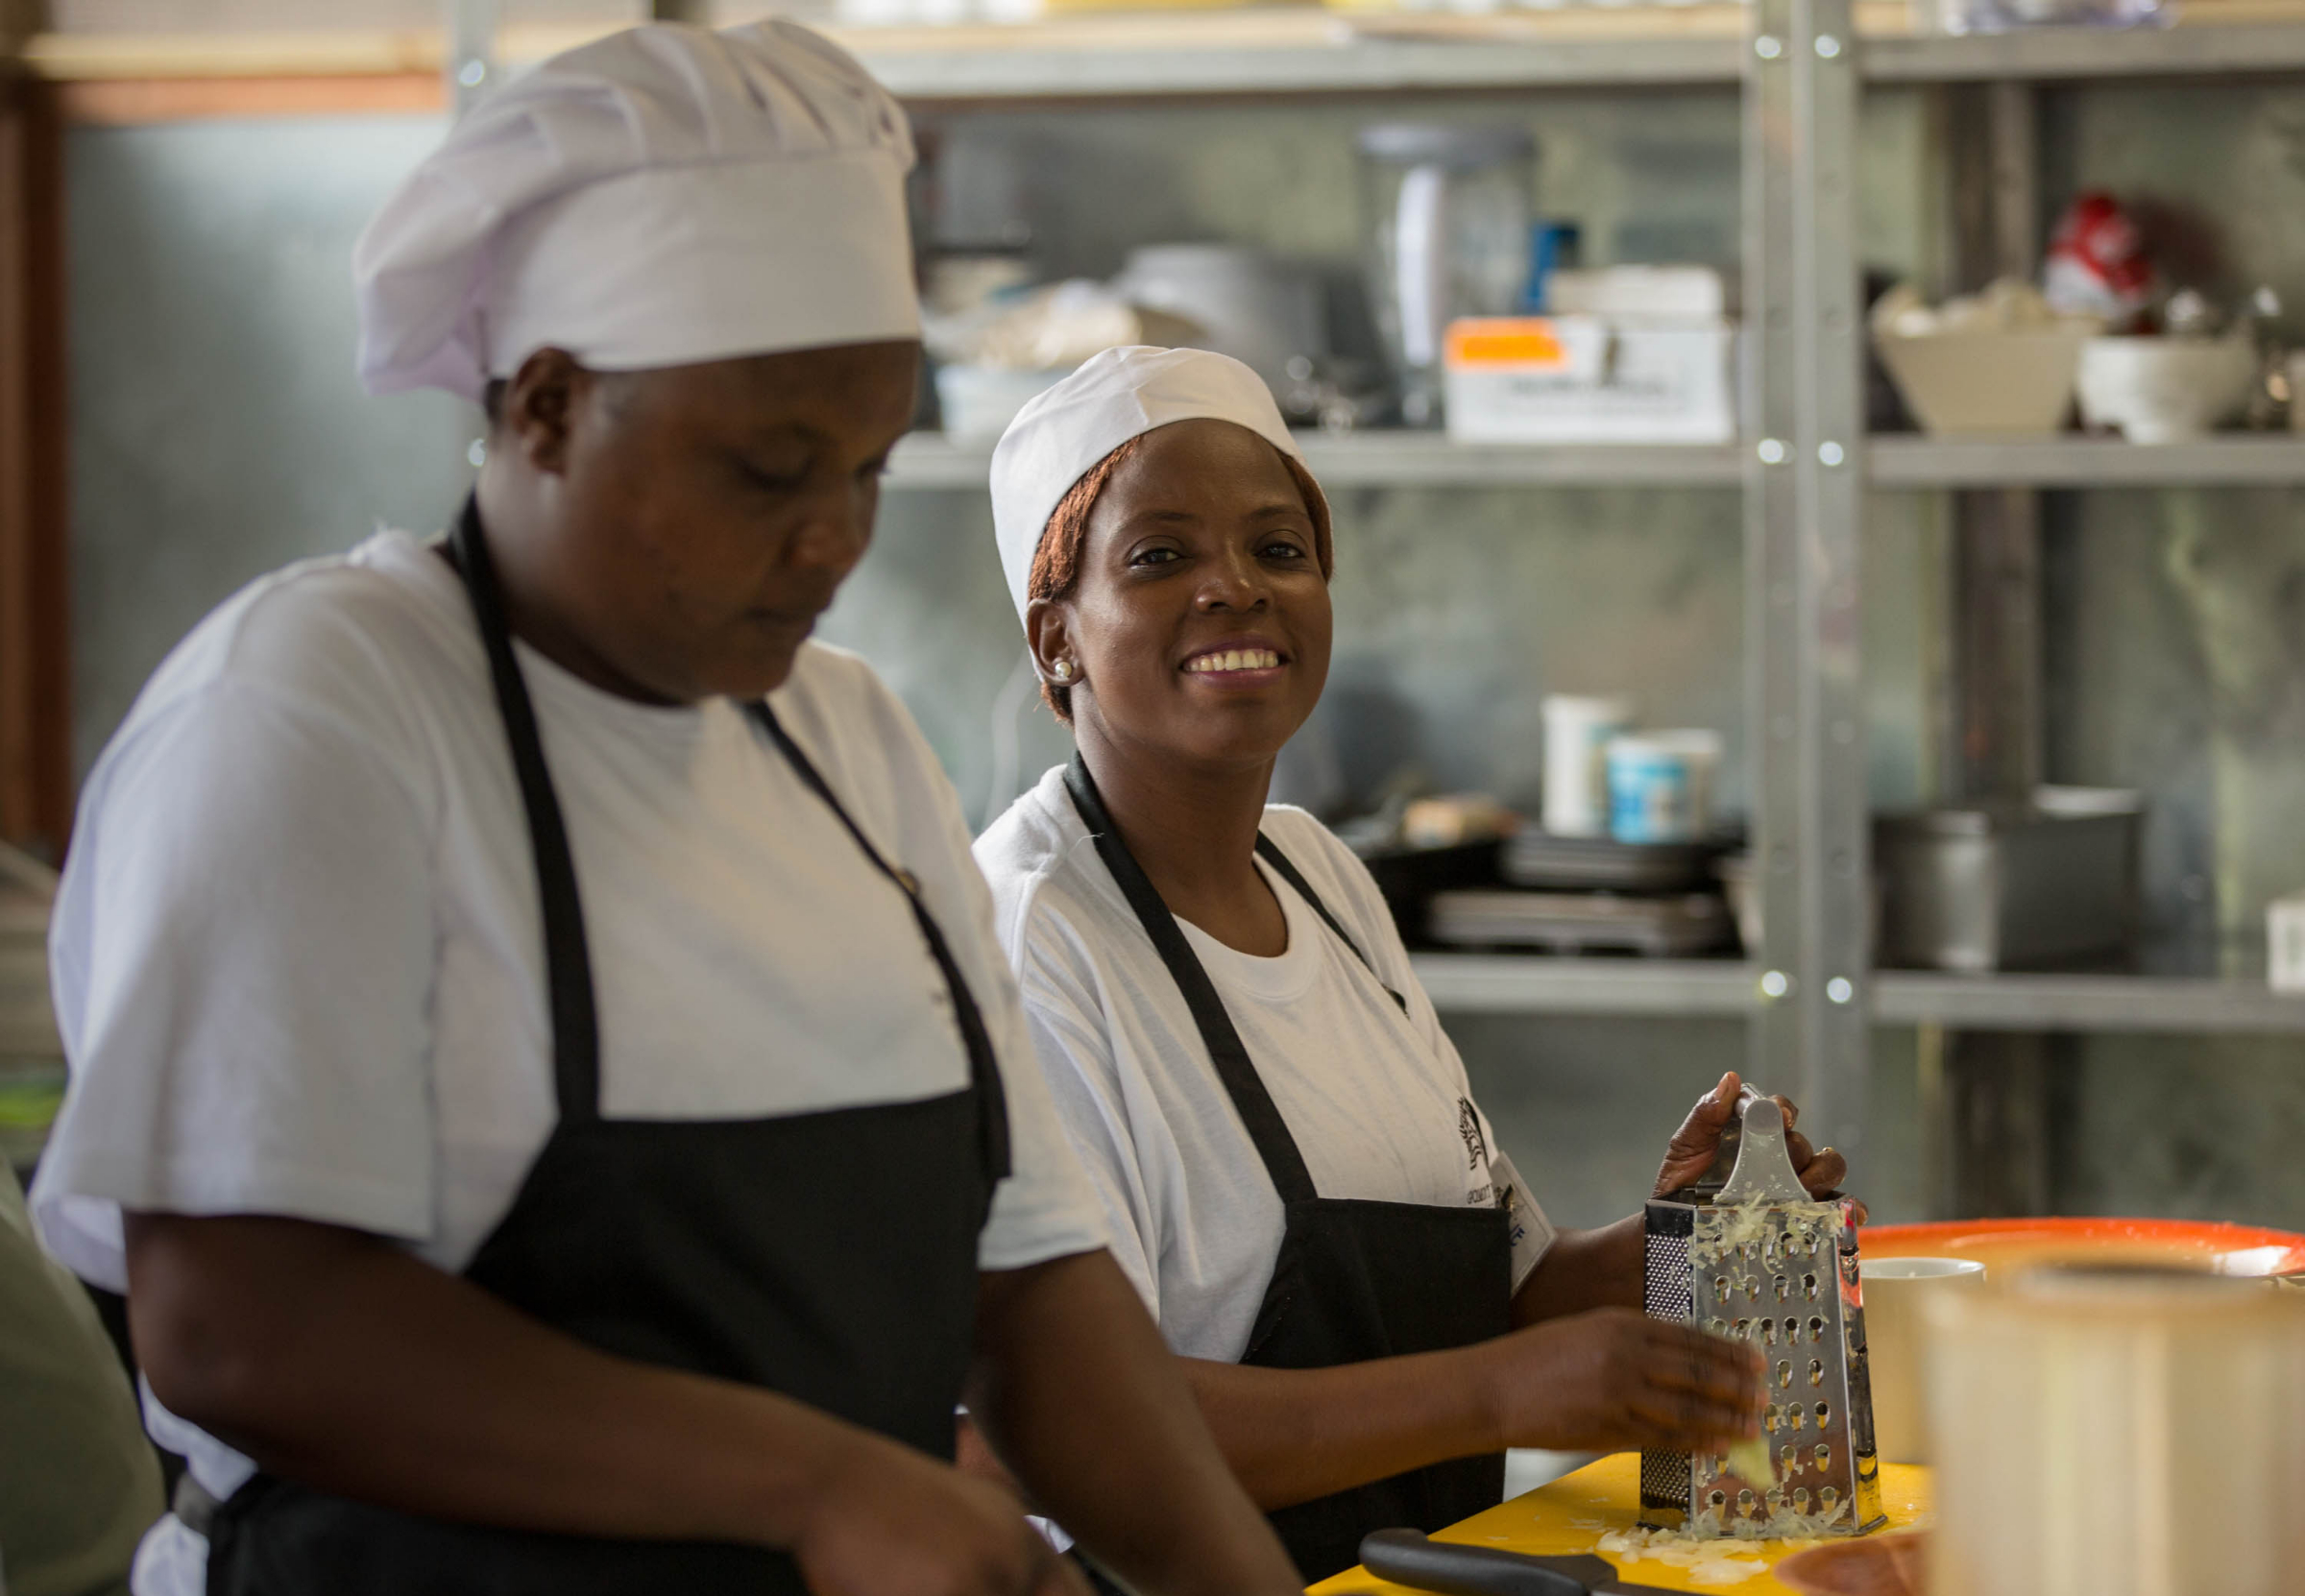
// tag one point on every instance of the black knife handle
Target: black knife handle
(1407, 1557)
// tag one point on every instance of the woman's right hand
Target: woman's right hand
(891, 1521)
(1615, 1379)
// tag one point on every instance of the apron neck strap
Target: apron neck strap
(1269, 852)
(984, 1066)
(1283, 1162)
(568, 962)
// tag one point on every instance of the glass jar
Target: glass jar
(1447, 210)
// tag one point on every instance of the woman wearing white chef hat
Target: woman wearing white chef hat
(540, 1068)
(1288, 1151)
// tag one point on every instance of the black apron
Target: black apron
(829, 1256)
(1355, 1280)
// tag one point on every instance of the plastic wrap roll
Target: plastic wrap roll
(2111, 1431)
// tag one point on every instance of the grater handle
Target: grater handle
(1765, 1170)
(1724, 1156)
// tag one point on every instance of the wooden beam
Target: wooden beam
(127, 100)
(35, 752)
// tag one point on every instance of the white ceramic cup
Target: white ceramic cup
(1577, 731)
(1897, 1291)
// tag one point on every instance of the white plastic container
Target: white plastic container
(1661, 785)
(1577, 732)
(1590, 379)
(1245, 305)
(2285, 939)
(1897, 1294)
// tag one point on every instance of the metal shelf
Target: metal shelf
(2076, 462)
(2191, 1006)
(1350, 64)
(2216, 48)
(1511, 983)
(1663, 47)
(1279, 50)
(1660, 46)
(927, 460)
(1506, 984)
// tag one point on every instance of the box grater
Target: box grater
(1747, 1253)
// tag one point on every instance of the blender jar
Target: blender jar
(1447, 211)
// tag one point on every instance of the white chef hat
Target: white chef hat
(662, 195)
(1121, 394)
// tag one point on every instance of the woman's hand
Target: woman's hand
(1690, 1153)
(1614, 1380)
(889, 1519)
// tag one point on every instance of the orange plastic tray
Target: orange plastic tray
(2226, 1248)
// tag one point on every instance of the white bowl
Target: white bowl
(980, 401)
(1987, 381)
(2161, 390)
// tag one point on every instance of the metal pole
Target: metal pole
(471, 60)
(1996, 1107)
(1804, 500)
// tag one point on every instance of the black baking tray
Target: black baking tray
(1409, 877)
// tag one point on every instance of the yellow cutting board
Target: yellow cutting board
(1573, 1513)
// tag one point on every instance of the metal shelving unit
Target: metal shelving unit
(1802, 65)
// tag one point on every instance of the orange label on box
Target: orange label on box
(1505, 341)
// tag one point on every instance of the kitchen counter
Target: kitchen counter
(1573, 1513)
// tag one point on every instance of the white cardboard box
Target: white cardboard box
(1590, 379)
(2285, 938)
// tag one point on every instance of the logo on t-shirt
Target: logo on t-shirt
(1468, 1126)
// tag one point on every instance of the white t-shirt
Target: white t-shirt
(296, 953)
(1377, 1098)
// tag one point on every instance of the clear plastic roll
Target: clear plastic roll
(2119, 1432)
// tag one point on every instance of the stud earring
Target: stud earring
(1062, 670)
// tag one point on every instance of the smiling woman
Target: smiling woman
(1369, 1305)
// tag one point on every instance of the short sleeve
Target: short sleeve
(1074, 1053)
(243, 953)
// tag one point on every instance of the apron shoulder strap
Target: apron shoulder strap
(1259, 1116)
(984, 1066)
(568, 960)
(1269, 852)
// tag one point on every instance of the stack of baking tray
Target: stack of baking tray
(1590, 895)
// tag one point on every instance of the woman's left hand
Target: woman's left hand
(1690, 1153)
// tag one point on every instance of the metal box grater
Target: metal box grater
(1747, 1253)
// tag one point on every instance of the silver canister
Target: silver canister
(1997, 886)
